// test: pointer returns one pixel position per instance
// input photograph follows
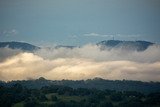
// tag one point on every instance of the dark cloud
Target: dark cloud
(6, 53)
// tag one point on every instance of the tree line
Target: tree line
(64, 96)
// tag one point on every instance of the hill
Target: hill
(97, 83)
(129, 45)
(109, 44)
(19, 45)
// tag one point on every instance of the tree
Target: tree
(54, 98)
(105, 104)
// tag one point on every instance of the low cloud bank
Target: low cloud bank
(6, 53)
(151, 54)
(81, 63)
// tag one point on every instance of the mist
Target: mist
(85, 62)
(6, 53)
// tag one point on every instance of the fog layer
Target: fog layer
(85, 62)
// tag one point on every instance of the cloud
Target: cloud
(6, 53)
(11, 32)
(28, 65)
(94, 52)
(97, 35)
(82, 63)
(73, 36)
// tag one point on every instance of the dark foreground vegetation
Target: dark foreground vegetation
(16, 94)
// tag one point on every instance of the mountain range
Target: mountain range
(128, 45)
(19, 45)
(109, 44)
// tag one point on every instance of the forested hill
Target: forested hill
(106, 44)
(97, 83)
(128, 45)
(19, 45)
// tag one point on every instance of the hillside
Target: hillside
(97, 83)
(19, 45)
(18, 94)
(128, 45)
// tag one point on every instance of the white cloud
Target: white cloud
(97, 35)
(11, 32)
(82, 63)
(91, 51)
(28, 65)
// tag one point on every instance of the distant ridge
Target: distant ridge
(64, 46)
(96, 83)
(19, 45)
(106, 44)
(131, 45)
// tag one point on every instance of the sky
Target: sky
(78, 22)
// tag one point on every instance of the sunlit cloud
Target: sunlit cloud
(90, 51)
(82, 63)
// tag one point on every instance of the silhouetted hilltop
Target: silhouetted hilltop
(19, 45)
(131, 45)
(109, 44)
